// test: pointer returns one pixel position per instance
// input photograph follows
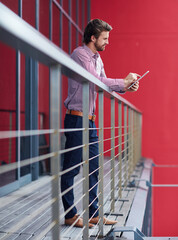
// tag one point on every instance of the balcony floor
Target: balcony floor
(17, 208)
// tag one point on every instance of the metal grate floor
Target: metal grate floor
(17, 208)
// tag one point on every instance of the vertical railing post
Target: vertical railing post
(70, 26)
(50, 19)
(129, 142)
(135, 139)
(61, 27)
(85, 159)
(10, 139)
(138, 137)
(77, 22)
(18, 97)
(101, 188)
(120, 148)
(140, 134)
(88, 10)
(125, 145)
(132, 141)
(55, 144)
(138, 122)
(112, 152)
(83, 15)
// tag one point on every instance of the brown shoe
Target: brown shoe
(105, 221)
(78, 223)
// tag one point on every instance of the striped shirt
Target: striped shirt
(94, 64)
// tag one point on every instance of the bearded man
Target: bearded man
(96, 37)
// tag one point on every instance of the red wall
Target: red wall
(145, 37)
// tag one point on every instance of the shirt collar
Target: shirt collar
(91, 54)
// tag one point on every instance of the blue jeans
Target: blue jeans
(74, 157)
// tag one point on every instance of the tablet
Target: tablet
(138, 79)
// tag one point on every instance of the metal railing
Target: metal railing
(125, 128)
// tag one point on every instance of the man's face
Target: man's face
(101, 41)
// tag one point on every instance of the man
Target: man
(96, 37)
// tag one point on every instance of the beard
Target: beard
(99, 47)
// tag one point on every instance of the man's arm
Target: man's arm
(117, 85)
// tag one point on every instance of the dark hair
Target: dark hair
(95, 27)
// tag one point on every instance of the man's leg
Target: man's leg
(93, 179)
(71, 158)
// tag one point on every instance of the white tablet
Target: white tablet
(138, 79)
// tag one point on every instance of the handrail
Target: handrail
(25, 38)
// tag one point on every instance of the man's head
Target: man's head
(97, 32)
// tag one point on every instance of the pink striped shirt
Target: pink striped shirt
(94, 64)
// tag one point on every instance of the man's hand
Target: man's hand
(131, 78)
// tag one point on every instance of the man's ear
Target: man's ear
(93, 39)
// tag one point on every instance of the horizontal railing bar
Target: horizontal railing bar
(115, 127)
(107, 162)
(107, 139)
(14, 111)
(71, 130)
(116, 164)
(77, 129)
(164, 185)
(94, 171)
(94, 230)
(108, 150)
(117, 155)
(73, 205)
(97, 128)
(123, 169)
(68, 229)
(92, 143)
(69, 169)
(107, 174)
(95, 156)
(122, 135)
(24, 133)
(94, 200)
(95, 211)
(13, 166)
(96, 225)
(165, 166)
(70, 149)
(25, 38)
(97, 236)
(68, 189)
